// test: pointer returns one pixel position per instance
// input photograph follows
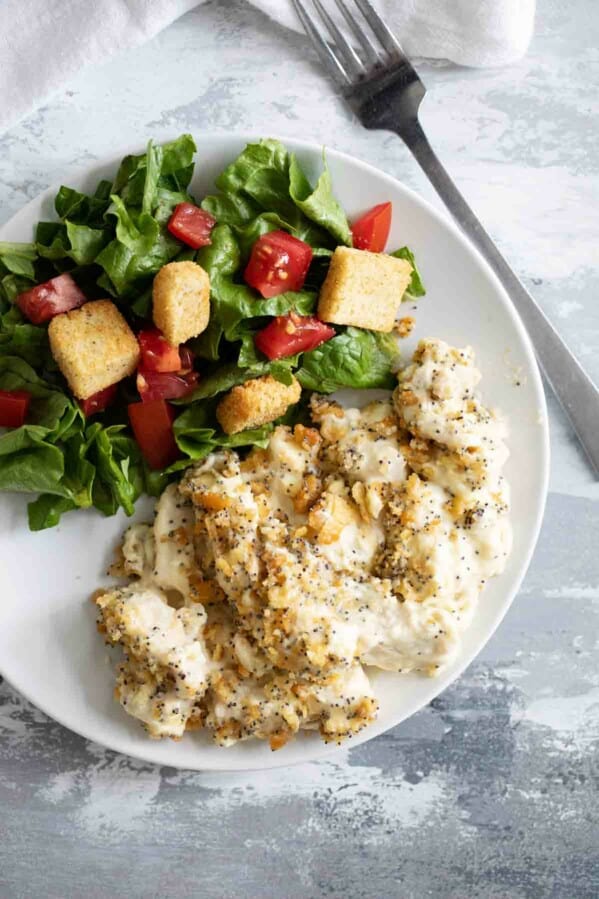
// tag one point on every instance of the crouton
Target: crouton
(255, 403)
(93, 346)
(363, 289)
(181, 301)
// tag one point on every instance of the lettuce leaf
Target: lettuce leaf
(47, 510)
(175, 169)
(80, 209)
(142, 244)
(415, 287)
(30, 459)
(11, 286)
(119, 471)
(197, 434)
(20, 338)
(318, 204)
(266, 178)
(103, 467)
(18, 259)
(30, 464)
(354, 358)
(80, 243)
(70, 463)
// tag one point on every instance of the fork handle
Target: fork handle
(570, 383)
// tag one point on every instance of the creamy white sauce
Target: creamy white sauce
(365, 542)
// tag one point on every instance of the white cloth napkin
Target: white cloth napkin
(44, 43)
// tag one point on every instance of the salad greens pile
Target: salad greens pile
(113, 242)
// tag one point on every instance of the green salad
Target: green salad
(76, 452)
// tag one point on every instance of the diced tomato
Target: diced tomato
(167, 385)
(43, 302)
(191, 225)
(157, 354)
(187, 359)
(13, 407)
(97, 402)
(152, 425)
(371, 230)
(278, 262)
(292, 333)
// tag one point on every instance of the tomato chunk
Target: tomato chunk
(97, 402)
(292, 333)
(157, 354)
(156, 385)
(371, 231)
(278, 262)
(152, 425)
(13, 407)
(191, 225)
(43, 302)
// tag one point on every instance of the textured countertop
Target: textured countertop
(491, 791)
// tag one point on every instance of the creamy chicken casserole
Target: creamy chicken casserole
(268, 585)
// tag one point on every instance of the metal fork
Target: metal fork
(383, 89)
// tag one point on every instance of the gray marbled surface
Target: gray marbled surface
(492, 790)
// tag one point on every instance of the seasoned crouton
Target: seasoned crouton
(93, 346)
(255, 403)
(181, 301)
(363, 289)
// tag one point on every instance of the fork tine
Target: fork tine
(368, 48)
(380, 27)
(322, 47)
(349, 58)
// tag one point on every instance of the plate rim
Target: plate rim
(320, 751)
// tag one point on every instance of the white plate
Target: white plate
(49, 648)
